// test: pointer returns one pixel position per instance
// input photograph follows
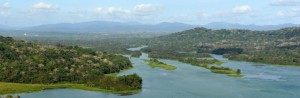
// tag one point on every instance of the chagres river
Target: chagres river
(187, 81)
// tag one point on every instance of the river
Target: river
(187, 81)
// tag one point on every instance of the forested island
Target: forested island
(135, 53)
(155, 63)
(27, 67)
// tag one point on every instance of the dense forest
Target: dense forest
(83, 64)
(109, 45)
(156, 63)
(30, 63)
(274, 47)
(105, 42)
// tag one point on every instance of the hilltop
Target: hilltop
(28, 63)
(274, 46)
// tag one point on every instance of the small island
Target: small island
(155, 63)
(207, 64)
(135, 54)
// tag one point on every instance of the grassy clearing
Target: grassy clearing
(160, 65)
(12, 88)
(219, 63)
(222, 70)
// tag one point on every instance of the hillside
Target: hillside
(275, 46)
(224, 25)
(28, 63)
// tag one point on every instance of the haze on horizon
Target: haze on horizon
(197, 12)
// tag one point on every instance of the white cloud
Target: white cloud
(202, 15)
(144, 12)
(285, 2)
(141, 9)
(5, 6)
(242, 9)
(112, 10)
(44, 6)
(77, 12)
(289, 13)
(280, 13)
(148, 8)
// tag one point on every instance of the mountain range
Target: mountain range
(132, 27)
(110, 27)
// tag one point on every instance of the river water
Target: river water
(187, 81)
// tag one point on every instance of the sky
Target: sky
(196, 12)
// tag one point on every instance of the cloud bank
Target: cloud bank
(242, 9)
(44, 6)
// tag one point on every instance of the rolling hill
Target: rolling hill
(29, 63)
(274, 46)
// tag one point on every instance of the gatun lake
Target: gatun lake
(187, 81)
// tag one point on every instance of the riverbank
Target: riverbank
(13, 88)
(115, 74)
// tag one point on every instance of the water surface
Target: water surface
(187, 81)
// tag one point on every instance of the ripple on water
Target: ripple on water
(263, 76)
(164, 74)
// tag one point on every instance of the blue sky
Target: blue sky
(260, 12)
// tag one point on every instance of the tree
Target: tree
(9, 96)
(238, 71)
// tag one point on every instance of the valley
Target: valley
(260, 79)
(149, 49)
(172, 57)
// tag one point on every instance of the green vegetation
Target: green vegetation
(197, 59)
(274, 47)
(29, 63)
(155, 63)
(116, 73)
(222, 51)
(175, 55)
(278, 57)
(10, 96)
(109, 43)
(10, 88)
(207, 64)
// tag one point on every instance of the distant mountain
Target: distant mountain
(4, 27)
(223, 25)
(134, 27)
(106, 26)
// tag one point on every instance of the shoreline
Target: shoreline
(116, 73)
(15, 88)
